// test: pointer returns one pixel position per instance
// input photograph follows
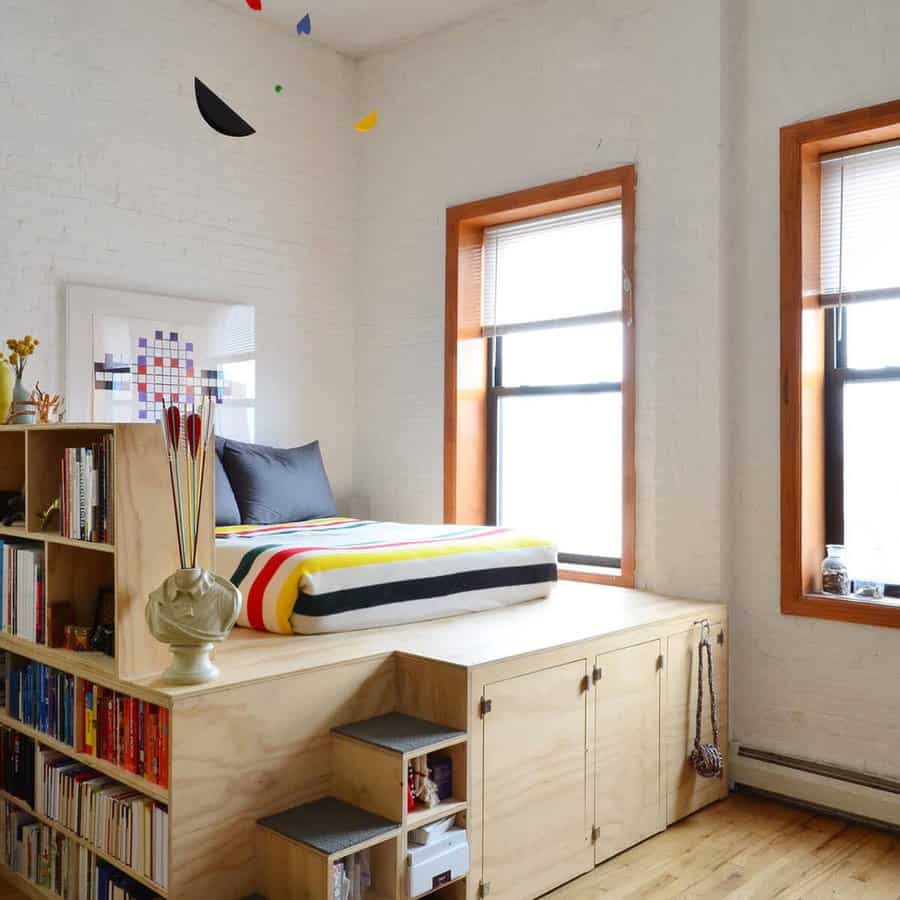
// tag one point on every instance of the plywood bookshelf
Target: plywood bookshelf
(142, 551)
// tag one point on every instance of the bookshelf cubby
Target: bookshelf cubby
(297, 848)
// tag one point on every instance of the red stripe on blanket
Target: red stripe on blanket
(261, 582)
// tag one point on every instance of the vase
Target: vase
(7, 380)
(21, 394)
(192, 611)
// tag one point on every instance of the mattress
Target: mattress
(342, 574)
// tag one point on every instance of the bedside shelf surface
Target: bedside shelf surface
(399, 732)
(329, 825)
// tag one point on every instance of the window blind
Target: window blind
(234, 334)
(557, 270)
(860, 228)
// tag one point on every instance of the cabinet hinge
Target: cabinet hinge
(660, 662)
(484, 888)
(485, 707)
(597, 674)
(721, 637)
(586, 683)
(594, 835)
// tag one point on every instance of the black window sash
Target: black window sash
(496, 391)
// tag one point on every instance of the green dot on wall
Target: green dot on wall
(278, 88)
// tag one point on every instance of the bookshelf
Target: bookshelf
(142, 550)
(140, 553)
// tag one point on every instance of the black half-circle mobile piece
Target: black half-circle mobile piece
(218, 114)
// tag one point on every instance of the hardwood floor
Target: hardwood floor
(741, 848)
(746, 847)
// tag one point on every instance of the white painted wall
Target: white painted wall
(695, 93)
(815, 689)
(109, 176)
(542, 91)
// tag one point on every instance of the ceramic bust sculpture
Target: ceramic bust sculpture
(192, 611)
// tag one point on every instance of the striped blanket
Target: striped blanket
(343, 574)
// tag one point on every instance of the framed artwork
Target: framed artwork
(128, 354)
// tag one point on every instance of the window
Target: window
(840, 359)
(861, 293)
(539, 368)
(234, 353)
(552, 315)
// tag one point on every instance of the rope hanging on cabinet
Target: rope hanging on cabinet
(706, 758)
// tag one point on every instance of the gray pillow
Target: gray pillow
(227, 512)
(273, 486)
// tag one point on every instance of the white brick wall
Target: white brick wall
(541, 91)
(109, 176)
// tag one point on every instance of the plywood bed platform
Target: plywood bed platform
(575, 612)
(259, 740)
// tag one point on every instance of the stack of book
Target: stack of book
(17, 764)
(117, 819)
(86, 491)
(128, 732)
(43, 698)
(100, 881)
(22, 603)
(38, 853)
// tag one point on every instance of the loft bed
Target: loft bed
(304, 570)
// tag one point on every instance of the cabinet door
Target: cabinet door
(630, 796)
(536, 803)
(687, 791)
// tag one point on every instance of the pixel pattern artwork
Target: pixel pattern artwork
(164, 372)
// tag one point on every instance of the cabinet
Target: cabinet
(687, 791)
(629, 793)
(537, 800)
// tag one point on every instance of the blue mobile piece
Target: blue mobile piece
(304, 26)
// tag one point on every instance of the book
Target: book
(125, 731)
(22, 601)
(43, 698)
(85, 492)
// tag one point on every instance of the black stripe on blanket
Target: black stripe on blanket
(421, 589)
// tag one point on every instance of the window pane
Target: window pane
(236, 422)
(240, 379)
(872, 480)
(583, 355)
(560, 469)
(873, 334)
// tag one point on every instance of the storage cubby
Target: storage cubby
(12, 452)
(371, 760)
(297, 849)
(45, 455)
(75, 578)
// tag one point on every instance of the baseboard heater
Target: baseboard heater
(867, 798)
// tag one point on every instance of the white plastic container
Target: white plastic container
(443, 860)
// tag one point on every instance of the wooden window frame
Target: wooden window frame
(803, 505)
(466, 350)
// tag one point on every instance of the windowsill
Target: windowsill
(594, 575)
(884, 613)
(852, 598)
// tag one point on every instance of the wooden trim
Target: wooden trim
(465, 350)
(803, 364)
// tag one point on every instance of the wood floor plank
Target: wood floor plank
(750, 848)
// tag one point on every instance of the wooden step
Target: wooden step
(402, 734)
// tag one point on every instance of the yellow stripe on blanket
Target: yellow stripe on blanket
(287, 595)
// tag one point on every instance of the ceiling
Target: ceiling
(361, 27)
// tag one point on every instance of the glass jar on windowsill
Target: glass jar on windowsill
(835, 575)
